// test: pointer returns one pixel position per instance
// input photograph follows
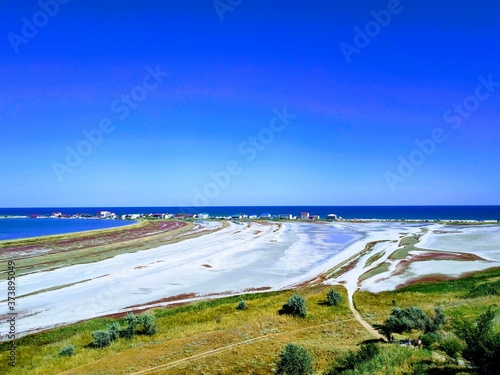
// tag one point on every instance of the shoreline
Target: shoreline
(57, 236)
(271, 221)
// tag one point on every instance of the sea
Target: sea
(24, 227)
(16, 228)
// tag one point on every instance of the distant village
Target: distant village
(304, 216)
(108, 215)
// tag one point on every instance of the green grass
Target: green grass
(392, 359)
(448, 294)
(383, 267)
(374, 258)
(408, 244)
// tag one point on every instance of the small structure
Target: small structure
(304, 216)
(203, 216)
(265, 215)
(314, 217)
(106, 215)
(332, 217)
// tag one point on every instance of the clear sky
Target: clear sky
(240, 102)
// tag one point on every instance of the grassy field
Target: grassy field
(213, 337)
(451, 295)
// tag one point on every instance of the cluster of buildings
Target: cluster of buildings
(108, 215)
(304, 216)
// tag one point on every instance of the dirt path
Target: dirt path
(363, 322)
(224, 348)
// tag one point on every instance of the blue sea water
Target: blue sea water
(22, 228)
(25, 228)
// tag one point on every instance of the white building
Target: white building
(106, 215)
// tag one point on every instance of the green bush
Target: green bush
(333, 297)
(113, 330)
(429, 339)
(294, 360)
(451, 346)
(131, 321)
(242, 305)
(148, 323)
(482, 343)
(101, 339)
(67, 350)
(295, 306)
(412, 318)
(352, 360)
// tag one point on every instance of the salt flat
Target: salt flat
(240, 257)
(482, 240)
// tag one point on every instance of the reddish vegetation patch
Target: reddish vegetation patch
(183, 297)
(444, 256)
(278, 228)
(178, 297)
(310, 281)
(405, 263)
(433, 278)
(93, 240)
(206, 265)
(350, 266)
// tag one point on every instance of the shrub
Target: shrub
(294, 360)
(334, 298)
(131, 320)
(482, 343)
(113, 330)
(412, 318)
(242, 305)
(452, 347)
(101, 339)
(352, 359)
(437, 321)
(430, 339)
(148, 323)
(67, 350)
(295, 306)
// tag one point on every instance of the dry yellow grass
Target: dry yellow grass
(257, 335)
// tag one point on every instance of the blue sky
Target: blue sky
(254, 103)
